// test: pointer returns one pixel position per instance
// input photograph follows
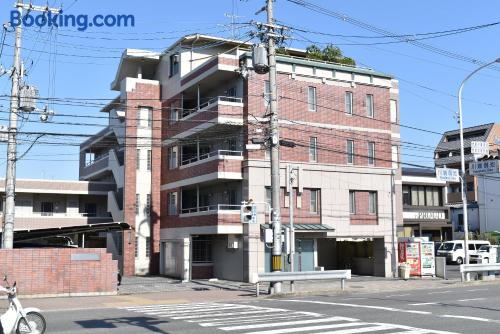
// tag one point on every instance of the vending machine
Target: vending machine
(418, 253)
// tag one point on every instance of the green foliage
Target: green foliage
(329, 53)
(281, 51)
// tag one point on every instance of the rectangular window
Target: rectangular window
(394, 111)
(406, 195)
(268, 195)
(148, 203)
(313, 149)
(371, 153)
(202, 250)
(145, 117)
(47, 208)
(148, 246)
(138, 159)
(267, 93)
(90, 210)
(350, 151)
(352, 202)
(311, 98)
(137, 203)
(174, 115)
(421, 195)
(369, 106)
(148, 164)
(348, 103)
(136, 246)
(314, 207)
(372, 202)
(172, 204)
(172, 157)
(174, 64)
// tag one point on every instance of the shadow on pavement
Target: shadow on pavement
(145, 323)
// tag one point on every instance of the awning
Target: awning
(24, 235)
(306, 227)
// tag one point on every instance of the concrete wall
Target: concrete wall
(489, 202)
(227, 263)
(58, 272)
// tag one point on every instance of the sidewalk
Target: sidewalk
(156, 290)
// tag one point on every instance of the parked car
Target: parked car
(486, 254)
(454, 250)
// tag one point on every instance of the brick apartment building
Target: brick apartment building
(176, 149)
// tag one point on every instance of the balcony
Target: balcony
(95, 167)
(219, 154)
(210, 210)
(457, 197)
(46, 220)
(111, 161)
(217, 70)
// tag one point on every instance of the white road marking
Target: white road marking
(470, 299)
(439, 292)
(400, 295)
(466, 317)
(198, 310)
(383, 308)
(474, 290)
(242, 320)
(287, 323)
(310, 328)
(211, 315)
(420, 304)
(361, 330)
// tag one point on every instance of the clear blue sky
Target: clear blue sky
(79, 73)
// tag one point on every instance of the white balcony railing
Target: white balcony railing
(212, 154)
(184, 113)
(212, 208)
(96, 160)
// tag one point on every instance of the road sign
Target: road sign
(484, 167)
(448, 174)
(479, 147)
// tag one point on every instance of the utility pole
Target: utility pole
(275, 163)
(10, 174)
(394, 262)
(290, 179)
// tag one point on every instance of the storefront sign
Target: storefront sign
(447, 175)
(479, 147)
(484, 167)
(424, 215)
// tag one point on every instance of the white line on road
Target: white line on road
(400, 295)
(421, 304)
(466, 317)
(313, 328)
(439, 292)
(287, 323)
(360, 330)
(470, 299)
(391, 309)
(474, 290)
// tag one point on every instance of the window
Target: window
(172, 204)
(148, 203)
(471, 247)
(314, 207)
(202, 250)
(352, 202)
(145, 117)
(148, 246)
(47, 208)
(136, 246)
(231, 92)
(148, 164)
(458, 246)
(350, 151)
(172, 157)
(348, 103)
(313, 149)
(138, 159)
(268, 195)
(369, 106)
(394, 111)
(371, 153)
(267, 93)
(174, 115)
(137, 203)
(372, 202)
(174, 64)
(90, 210)
(311, 98)
(406, 195)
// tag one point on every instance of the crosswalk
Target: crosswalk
(252, 319)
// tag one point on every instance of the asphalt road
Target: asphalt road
(472, 309)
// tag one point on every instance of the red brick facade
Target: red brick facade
(57, 271)
(362, 216)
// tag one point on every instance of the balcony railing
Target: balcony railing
(214, 208)
(63, 215)
(211, 154)
(97, 159)
(183, 113)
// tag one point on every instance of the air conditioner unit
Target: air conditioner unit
(233, 242)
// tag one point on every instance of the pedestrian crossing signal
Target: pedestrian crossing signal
(248, 214)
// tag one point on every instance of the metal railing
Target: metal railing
(211, 154)
(215, 207)
(97, 159)
(281, 276)
(183, 112)
(478, 268)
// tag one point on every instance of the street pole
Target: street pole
(462, 155)
(275, 163)
(10, 177)
(393, 234)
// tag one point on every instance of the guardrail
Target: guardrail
(281, 276)
(478, 268)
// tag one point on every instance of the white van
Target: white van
(486, 254)
(454, 250)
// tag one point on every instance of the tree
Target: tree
(329, 53)
(314, 52)
(332, 53)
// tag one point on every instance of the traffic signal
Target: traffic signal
(247, 213)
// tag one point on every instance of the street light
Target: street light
(464, 182)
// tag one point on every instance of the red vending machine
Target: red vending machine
(409, 253)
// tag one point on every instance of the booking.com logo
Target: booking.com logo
(82, 21)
